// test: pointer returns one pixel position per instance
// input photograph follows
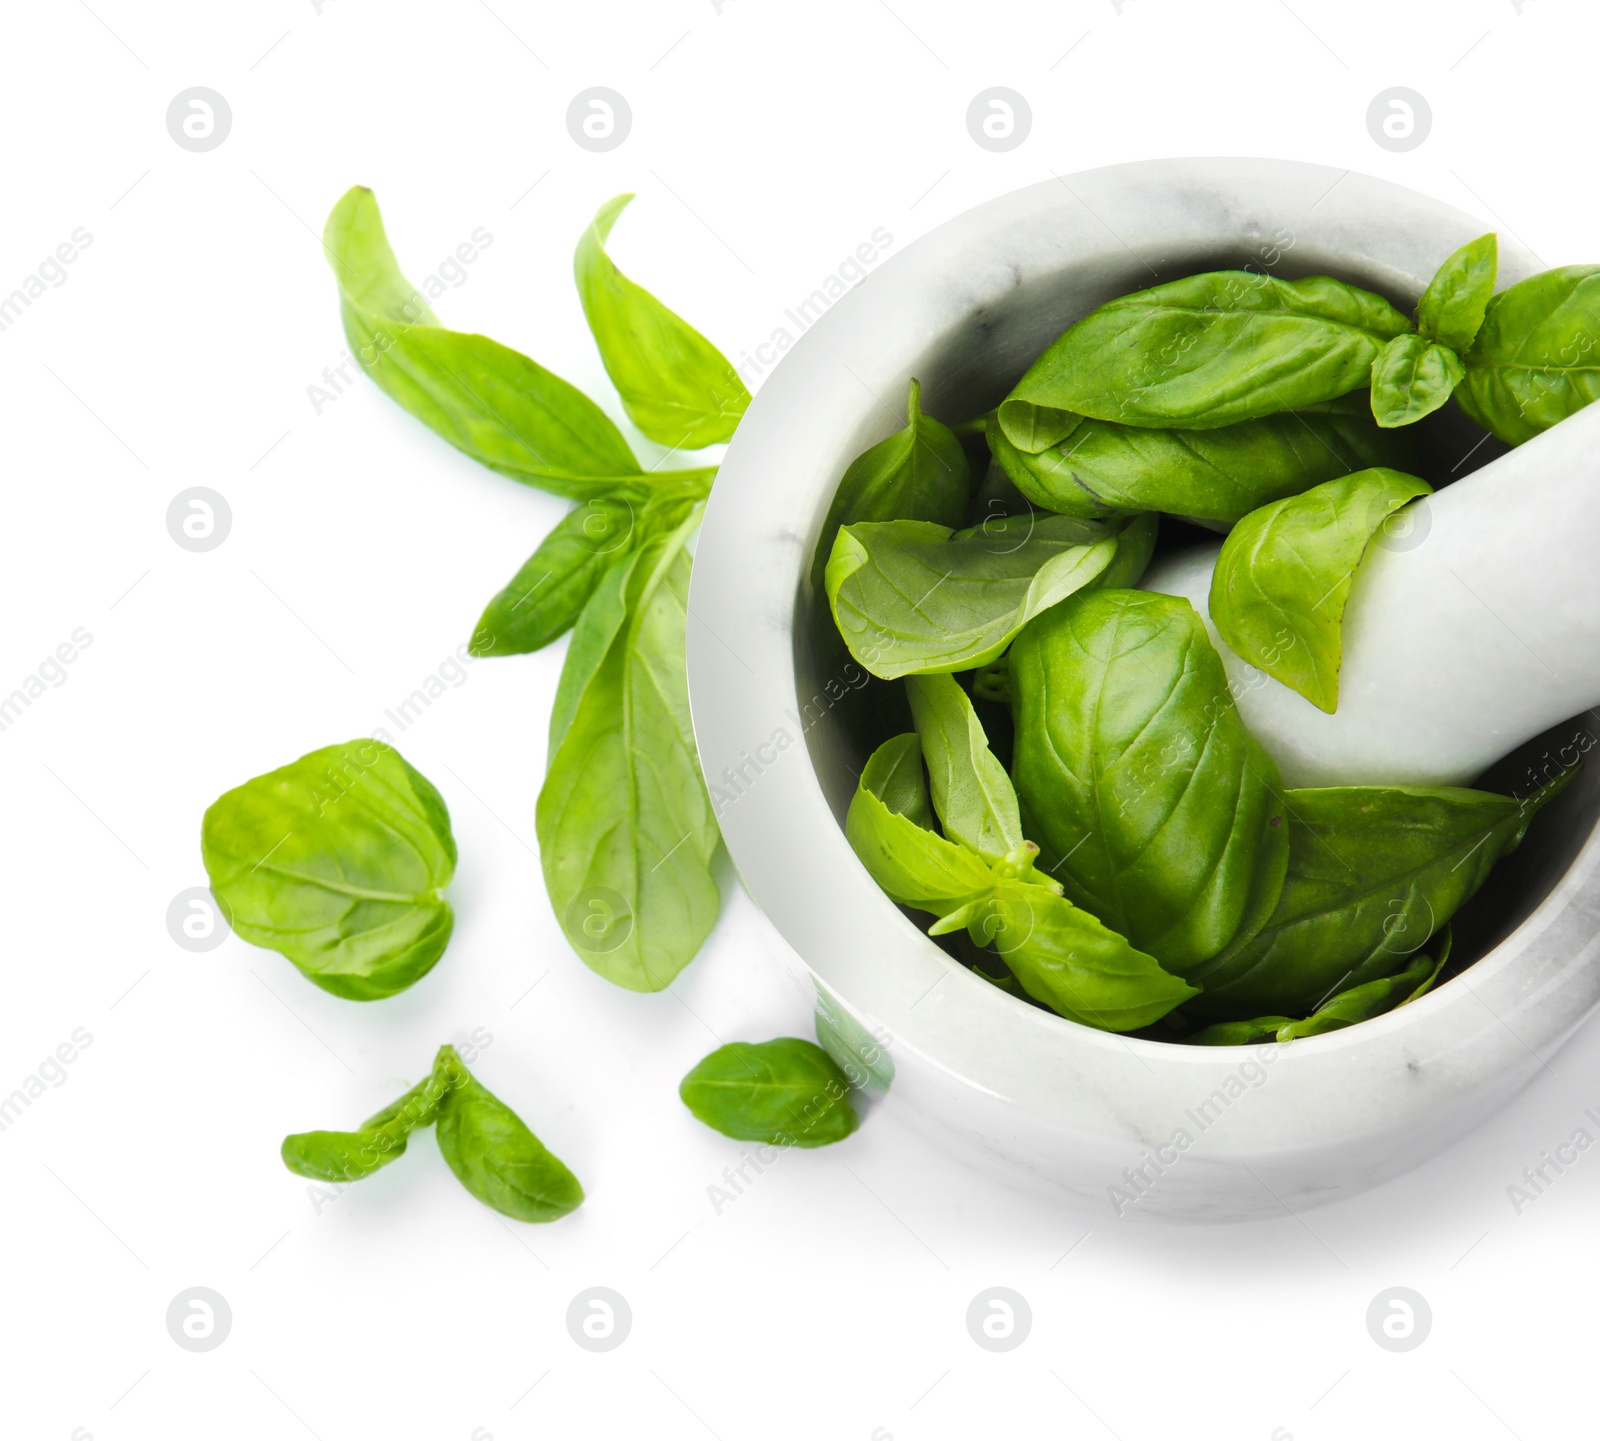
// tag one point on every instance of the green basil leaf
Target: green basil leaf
(972, 793)
(1150, 801)
(919, 473)
(785, 1092)
(546, 597)
(889, 825)
(1373, 872)
(1237, 1033)
(1362, 1003)
(337, 861)
(626, 828)
(1452, 307)
(1411, 378)
(1284, 574)
(1101, 467)
(1359, 1003)
(496, 405)
(912, 597)
(339, 1155)
(1534, 362)
(676, 386)
(351, 1155)
(1030, 428)
(1067, 959)
(1210, 350)
(499, 1160)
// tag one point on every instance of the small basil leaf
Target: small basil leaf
(1067, 959)
(1204, 475)
(972, 793)
(501, 408)
(1237, 1033)
(339, 1155)
(911, 597)
(545, 598)
(676, 386)
(1534, 362)
(499, 1160)
(785, 1092)
(1284, 574)
(1452, 307)
(1210, 350)
(1359, 1003)
(337, 861)
(1373, 872)
(1029, 428)
(1411, 378)
(626, 828)
(919, 473)
(1362, 1003)
(1150, 801)
(888, 827)
(350, 1155)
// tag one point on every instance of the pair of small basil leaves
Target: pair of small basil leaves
(624, 813)
(1160, 814)
(979, 874)
(1416, 373)
(493, 1154)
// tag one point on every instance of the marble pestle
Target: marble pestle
(1471, 628)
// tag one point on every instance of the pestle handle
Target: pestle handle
(1472, 633)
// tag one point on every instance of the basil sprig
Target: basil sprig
(625, 826)
(493, 1154)
(1284, 573)
(1211, 350)
(338, 861)
(1062, 956)
(1226, 347)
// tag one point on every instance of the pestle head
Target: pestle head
(1475, 631)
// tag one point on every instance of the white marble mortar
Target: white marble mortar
(1222, 1134)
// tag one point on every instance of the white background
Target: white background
(768, 141)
